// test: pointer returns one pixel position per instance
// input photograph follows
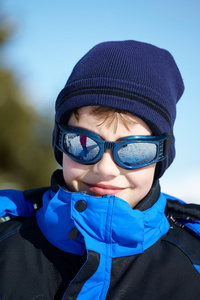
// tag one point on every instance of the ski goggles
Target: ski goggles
(132, 152)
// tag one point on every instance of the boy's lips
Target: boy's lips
(103, 189)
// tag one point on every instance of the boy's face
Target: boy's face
(106, 177)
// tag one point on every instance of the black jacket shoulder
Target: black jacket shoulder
(23, 248)
(184, 230)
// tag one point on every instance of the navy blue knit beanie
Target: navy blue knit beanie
(134, 76)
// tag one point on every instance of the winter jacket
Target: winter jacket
(63, 245)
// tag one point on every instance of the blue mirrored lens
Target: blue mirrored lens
(80, 146)
(137, 154)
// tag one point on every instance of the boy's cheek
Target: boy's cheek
(142, 176)
(72, 171)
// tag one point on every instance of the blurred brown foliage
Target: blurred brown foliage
(26, 155)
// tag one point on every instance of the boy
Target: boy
(103, 230)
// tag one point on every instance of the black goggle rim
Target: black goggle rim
(159, 141)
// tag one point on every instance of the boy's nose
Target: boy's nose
(107, 167)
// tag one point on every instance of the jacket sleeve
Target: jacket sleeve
(13, 204)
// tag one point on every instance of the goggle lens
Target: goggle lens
(81, 147)
(137, 154)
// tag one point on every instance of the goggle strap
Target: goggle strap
(56, 135)
(168, 143)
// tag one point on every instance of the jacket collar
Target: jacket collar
(102, 223)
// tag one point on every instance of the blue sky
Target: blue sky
(51, 36)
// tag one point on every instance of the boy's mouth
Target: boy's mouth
(101, 189)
